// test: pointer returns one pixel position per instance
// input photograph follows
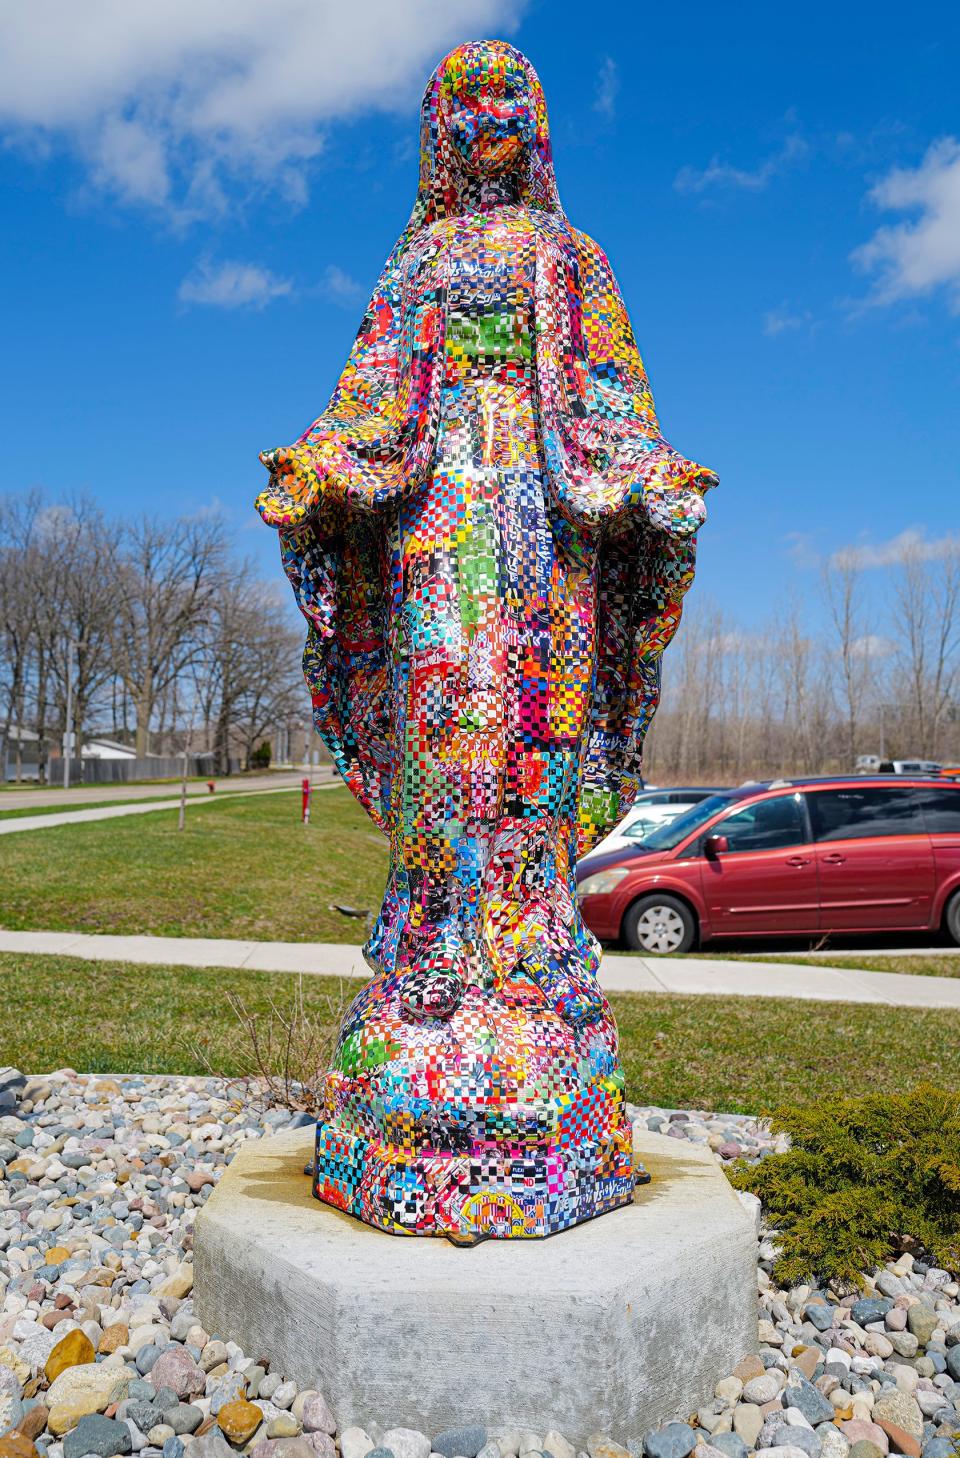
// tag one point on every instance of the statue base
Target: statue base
(614, 1327)
(501, 1121)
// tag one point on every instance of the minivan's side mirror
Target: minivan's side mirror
(714, 845)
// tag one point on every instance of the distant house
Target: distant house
(107, 749)
(26, 744)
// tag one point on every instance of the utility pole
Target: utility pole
(68, 736)
(182, 819)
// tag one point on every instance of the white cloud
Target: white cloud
(911, 543)
(871, 645)
(802, 549)
(169, 103)
(232, 285)
(338, 286)
(608, 88)
(777, 321)
(724, 174)
(916, 258)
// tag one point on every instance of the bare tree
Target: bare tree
(79, 550)
(19, 582)
(253, 680)
(843, 593)
(168, 575)
(927, 616)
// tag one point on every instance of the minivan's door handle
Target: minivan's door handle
(835, 859)
(798, 861)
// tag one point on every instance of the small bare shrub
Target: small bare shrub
(280, 1056)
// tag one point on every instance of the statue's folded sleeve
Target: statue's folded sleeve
(323, 495)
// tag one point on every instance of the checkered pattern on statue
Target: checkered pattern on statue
(491, 541)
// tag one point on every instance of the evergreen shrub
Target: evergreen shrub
(864, 1180)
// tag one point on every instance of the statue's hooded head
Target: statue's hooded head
(483, 118)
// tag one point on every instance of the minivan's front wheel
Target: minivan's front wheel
(951, 917)
(659, 925)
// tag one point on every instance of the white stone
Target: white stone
(637, 1311)
(906, 1378)
(728, 1390)
(91, 1382)
(747, 1422)
(408, 1443)
(832, 1442)
(930, 1402)
(355, 1443)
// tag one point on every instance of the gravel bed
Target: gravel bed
(101, 1353)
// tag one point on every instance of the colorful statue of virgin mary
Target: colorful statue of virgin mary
(490, 540)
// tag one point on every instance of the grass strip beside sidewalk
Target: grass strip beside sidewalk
(734, 1054)
(245, 868)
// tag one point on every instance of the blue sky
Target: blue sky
(198, 198)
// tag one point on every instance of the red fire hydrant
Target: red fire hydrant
(211, 786)
(306, 801)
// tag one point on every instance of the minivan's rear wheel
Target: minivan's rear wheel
(659, 925)
(951, 917)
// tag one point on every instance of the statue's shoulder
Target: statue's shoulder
(587, 247)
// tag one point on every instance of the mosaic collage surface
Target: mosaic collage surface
(490, 541)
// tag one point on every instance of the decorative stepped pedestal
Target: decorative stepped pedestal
(500, 1121)
(612, 1326)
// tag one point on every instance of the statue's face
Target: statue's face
(491, 117)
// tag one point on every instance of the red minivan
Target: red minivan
(790, 858)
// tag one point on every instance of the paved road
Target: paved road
(17, 823)
(677, 975)
(30, 799)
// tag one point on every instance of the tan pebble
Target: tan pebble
(114, 1337)
(284, 1425)
(16, 1445)
(179, 1283)
(749, 1367)
(806, 1359)
(13, 1360)
(728, 1390)
(239, 1420)
(747, 1421)
(32, 1424)
(73, 1350)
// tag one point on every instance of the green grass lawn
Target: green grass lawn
(243, 868)
(704, 1052)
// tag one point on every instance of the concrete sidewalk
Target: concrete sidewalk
(110, 812)
(675, 975)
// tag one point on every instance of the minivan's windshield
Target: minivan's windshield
(665, 837)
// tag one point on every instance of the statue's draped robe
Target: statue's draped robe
(495, 350)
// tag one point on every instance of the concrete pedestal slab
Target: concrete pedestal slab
(610, 1327)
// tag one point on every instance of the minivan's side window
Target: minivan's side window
(861, 814)
(764, 825)
(940, 805)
